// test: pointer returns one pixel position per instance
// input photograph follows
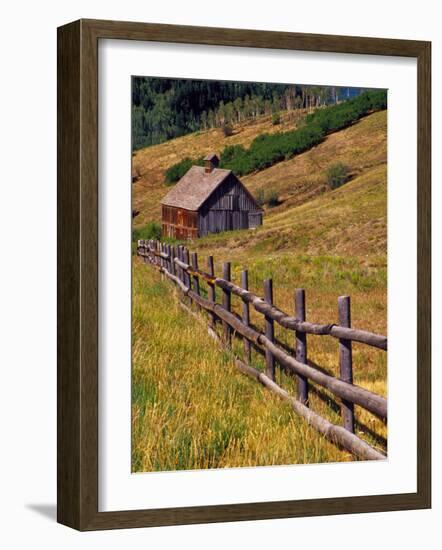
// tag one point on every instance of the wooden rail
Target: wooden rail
(182, 268)
(287, 321)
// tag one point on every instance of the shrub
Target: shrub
(150, 231)
(260, 197)
(272, 199)
(276, 119)
(265, 150)
(227, 130)
(177, 170)
(230, 152)
(342, 115)
(337, 174)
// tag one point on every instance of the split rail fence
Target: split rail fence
(181, 267)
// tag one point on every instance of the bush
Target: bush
(272, 199)
(267, 149)
(276, 119)
(231, 152)
(337, 174)
(342, 115)
(177, 171)
(227, 130)
(150, 231)
(260, 197)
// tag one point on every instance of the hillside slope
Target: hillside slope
(152, 162)
(362, 147)
(351, 220)
(330, 243)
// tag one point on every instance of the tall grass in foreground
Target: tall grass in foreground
(191, 408)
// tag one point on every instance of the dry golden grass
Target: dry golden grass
(191, 408)
(152, 162)
(361, 146)
(351, 220)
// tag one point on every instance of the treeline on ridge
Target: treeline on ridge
(268, 149)
(164, 108)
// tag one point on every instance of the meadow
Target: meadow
(191, 407)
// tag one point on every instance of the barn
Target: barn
(208, 199)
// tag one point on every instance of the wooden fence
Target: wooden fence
(181, 267)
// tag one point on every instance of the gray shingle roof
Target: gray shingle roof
(195, 187)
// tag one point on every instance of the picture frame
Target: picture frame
(78, 280)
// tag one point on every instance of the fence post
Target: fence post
(211, 291)
(180, 257)
(346, 361)
(227, 304)
(162, 261)
(301, 344)
(246, 316)
(186, 274)
(172, 256)
(168, 258)
(269, 329)
(196, 281)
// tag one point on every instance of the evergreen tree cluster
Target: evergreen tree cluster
(164, 108)
(268, 149)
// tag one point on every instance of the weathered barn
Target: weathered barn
(208, 199)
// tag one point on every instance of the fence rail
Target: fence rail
(179, 266)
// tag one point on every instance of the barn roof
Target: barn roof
(195, 187)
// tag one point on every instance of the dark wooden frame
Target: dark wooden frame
(77, 461)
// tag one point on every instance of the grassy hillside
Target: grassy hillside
(329, 242)
(152, 162)
(192, 409)
(361, 147)
(350, 221)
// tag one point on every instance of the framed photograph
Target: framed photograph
(243, 275)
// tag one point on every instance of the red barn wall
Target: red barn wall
(179, 223)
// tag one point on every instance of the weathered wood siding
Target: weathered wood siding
(255, 219)
(228, 208)
(179, 223)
